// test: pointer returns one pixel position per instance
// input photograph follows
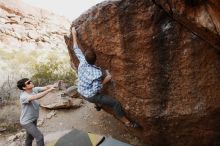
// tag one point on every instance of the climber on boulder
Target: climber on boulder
(90, 83)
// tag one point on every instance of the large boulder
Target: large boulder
(165, 62)
(64, 98)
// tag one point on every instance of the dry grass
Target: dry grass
(9, 116)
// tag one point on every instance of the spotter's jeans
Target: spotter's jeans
(33, 132)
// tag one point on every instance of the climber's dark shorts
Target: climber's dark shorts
(105, 100)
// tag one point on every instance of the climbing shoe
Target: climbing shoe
(98, 108)
(132, 125)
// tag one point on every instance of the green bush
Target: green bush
(51, 71)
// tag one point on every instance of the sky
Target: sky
(68, 8)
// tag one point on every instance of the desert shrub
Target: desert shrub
(51, 71)
(9, 116)
(42, 68)
(8, 89)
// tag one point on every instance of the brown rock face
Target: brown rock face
(165, 65)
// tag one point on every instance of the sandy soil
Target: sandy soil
(87, 119)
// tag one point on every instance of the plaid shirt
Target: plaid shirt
(89, 76)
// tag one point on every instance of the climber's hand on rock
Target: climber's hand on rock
(107, 72)
(73, 31)
(109, 77)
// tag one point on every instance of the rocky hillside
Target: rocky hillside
(26, 31)
(165, 61)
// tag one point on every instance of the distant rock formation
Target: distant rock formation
(165, 61)
(25, 27)
(29, 32)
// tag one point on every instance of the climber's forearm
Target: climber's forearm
(75, 44)
(76, 49)
(106, 79)
(74, 37)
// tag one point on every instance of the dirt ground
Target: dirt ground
(87, 119)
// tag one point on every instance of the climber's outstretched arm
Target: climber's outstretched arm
(76, 49)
